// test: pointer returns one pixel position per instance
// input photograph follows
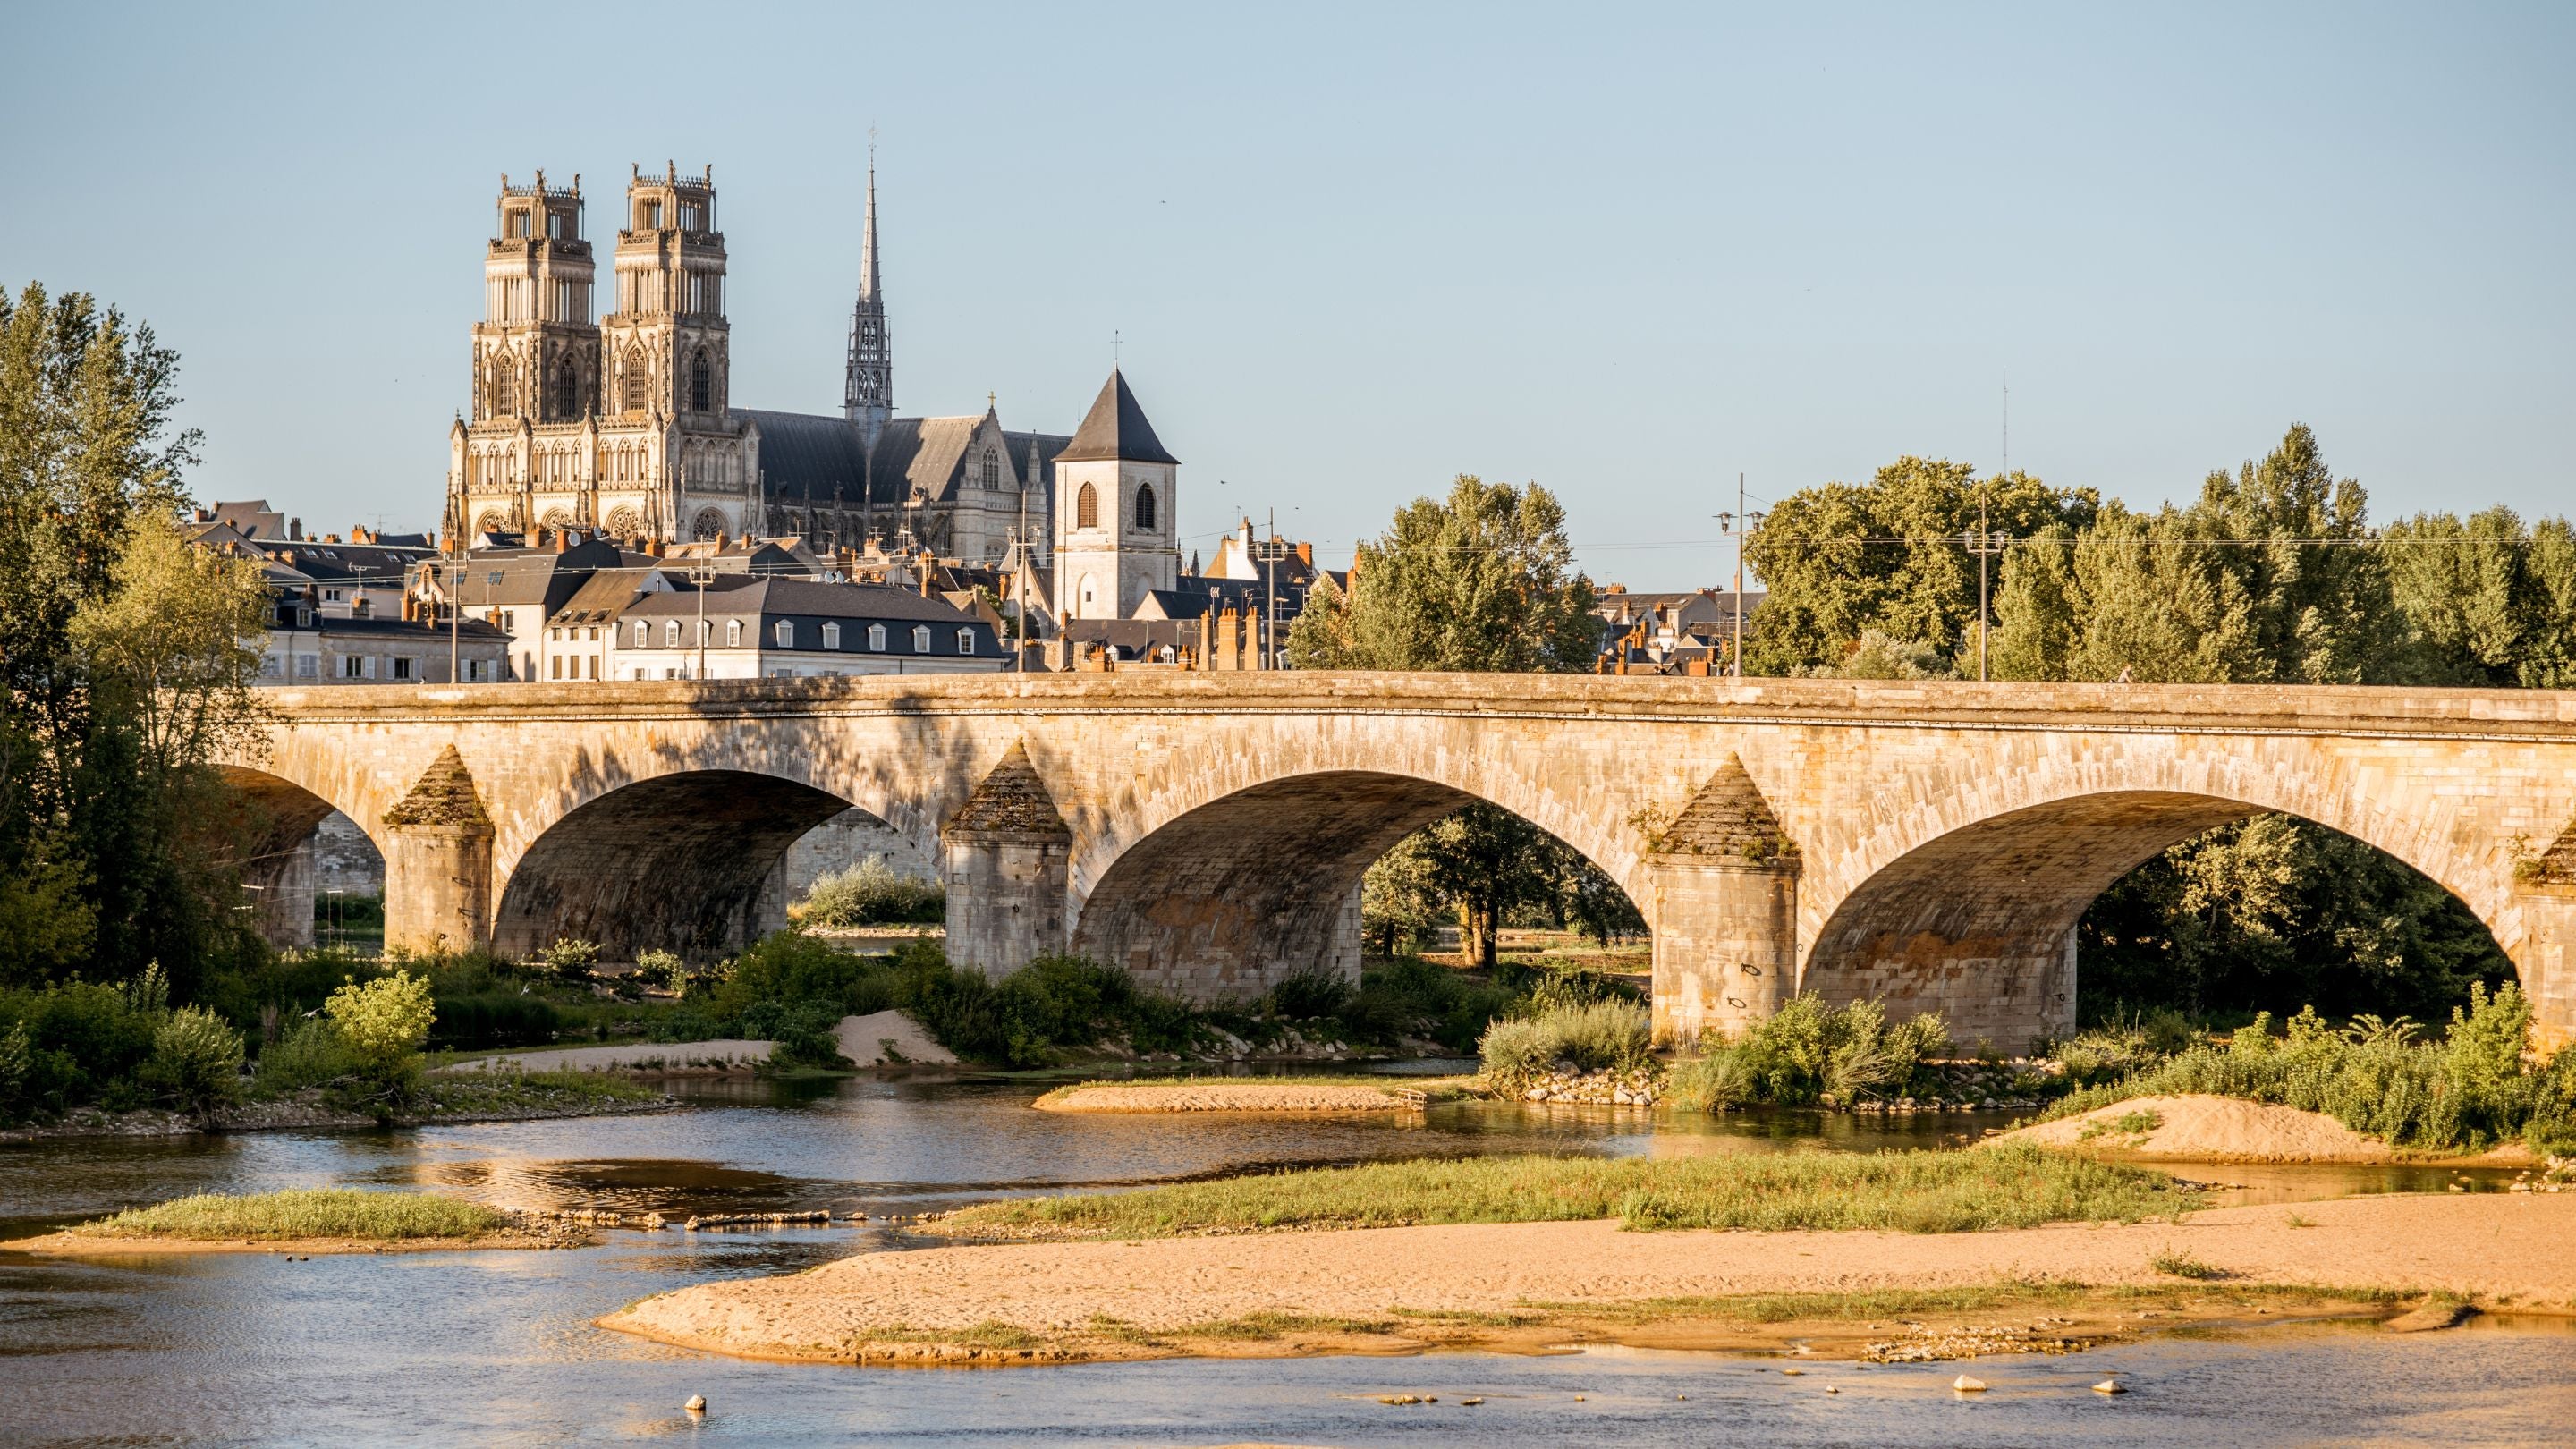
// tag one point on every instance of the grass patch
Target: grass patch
(2184, 1265)
(1922, 1192)
(470, 1094)
(302, 1213)
(2127, 1124)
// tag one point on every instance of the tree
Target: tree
(1844, 559)
(108, 709)
(1484, 581)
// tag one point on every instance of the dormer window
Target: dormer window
(733, 633)
(965, 641)
(921, 639)
(671, 634)
(643, 633)
(831, 636)
(784, 631)
(877, 637)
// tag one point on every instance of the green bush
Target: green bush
(1308, 995)
(83, 1043)
(570, 958)
(1714, 1082)
(1409, 996)
(1808, 1052)
(494, 1019)
(1600, 1036)
(663, 969)
(2468, 1091)
(310, 1054)
(196, 1061)
(870, 893)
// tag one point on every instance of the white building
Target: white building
(754, 628)
(1117, 521)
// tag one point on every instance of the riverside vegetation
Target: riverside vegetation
(302, 1213)
(1915, 1192)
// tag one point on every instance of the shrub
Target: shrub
(802, 1031)
(312, 1053)
(1711, 1083)
(196, 1061)
(84, 1041)
(1409, 996)
(494, 1019)
(661, 968)
(381, 1024)
(570, 958)
(1601, 1036)
(870, 893)
(1810, 1052)
(2467, 1091)
(1307, 995)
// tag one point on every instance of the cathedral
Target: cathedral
(628, 426)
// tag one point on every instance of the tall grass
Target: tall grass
(1915, 1192)
(870, 893)
(1809, 1052)
(2469, 1090)
(302, 1213)
(1607, 1035)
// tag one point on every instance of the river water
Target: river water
(498, 1348)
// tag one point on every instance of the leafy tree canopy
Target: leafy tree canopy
(1481, 581)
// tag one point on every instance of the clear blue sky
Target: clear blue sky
(1625, 251)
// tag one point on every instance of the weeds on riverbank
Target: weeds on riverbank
(2468, 1091)
(1920, 1192)
(1808, 1052)
(302, 1213)
(1609, 1035)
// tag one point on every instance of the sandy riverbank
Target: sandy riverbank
(2201, 1128)
(1525, 1285)
(884, 1038)
(1205, 1095)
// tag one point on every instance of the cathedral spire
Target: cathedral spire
(867, 395)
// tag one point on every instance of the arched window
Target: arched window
(733, 633)
(877, 637)
(1145, 506)
(567, 391)
(965, 641)
(1086, 508)
(702, 384)
(992, 469)
(831, 636)
(921, 638)
(633, 382)
(705, 629)
(501, 392)
(784, 631)
(643, 633)
(671, 634)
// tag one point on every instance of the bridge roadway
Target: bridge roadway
(1931, 844)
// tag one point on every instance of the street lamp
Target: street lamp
(702, 574)
(1726, 524)
(1269, 551)
(1985, 544)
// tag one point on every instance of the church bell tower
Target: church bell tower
(1117, 519)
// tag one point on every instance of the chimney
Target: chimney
(560, 539)
(295, 530)
(1306, 553)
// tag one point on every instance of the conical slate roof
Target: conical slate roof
(444, 795)
(1727, 817)
(1115, 429)
(1012, 801)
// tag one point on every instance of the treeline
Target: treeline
(2273, 574)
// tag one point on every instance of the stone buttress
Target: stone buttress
(1005, 855)
(1724, 905)
(438, 863)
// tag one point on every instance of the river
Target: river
(497, 1348)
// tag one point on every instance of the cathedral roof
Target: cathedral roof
(809, 455)
(1115, 428)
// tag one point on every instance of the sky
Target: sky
(1347, 252)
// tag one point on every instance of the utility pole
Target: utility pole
(455, 615)
(1270, 550)
(1985, 544)
(702, 574)
(1727, 522)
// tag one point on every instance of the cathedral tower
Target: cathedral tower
(675, 462)
(867, 395)
(1117, 514)
(536, 362)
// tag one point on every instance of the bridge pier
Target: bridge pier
(1004, 860)
(280, 887)
(438, 863)
(2546, 961)
(1725, 943)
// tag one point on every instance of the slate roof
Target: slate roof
(810, 455)
(1115, 429)
(805, 598)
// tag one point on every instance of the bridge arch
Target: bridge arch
(1226, 897)
(1967, 902)
(674, 861)
(273, 834)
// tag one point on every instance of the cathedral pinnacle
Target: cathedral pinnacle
(867, 397)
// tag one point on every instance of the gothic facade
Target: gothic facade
(627, 425)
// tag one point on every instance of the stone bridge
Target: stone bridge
(1931, 844)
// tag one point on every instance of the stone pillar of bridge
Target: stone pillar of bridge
(1004, 857)
(2545, 896)
(280, 887)
(438, 863)
(1723, 887)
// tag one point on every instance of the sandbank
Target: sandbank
(865, 1040)
(1204, 1095)
(1529, 1285)
(2200, 1128)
